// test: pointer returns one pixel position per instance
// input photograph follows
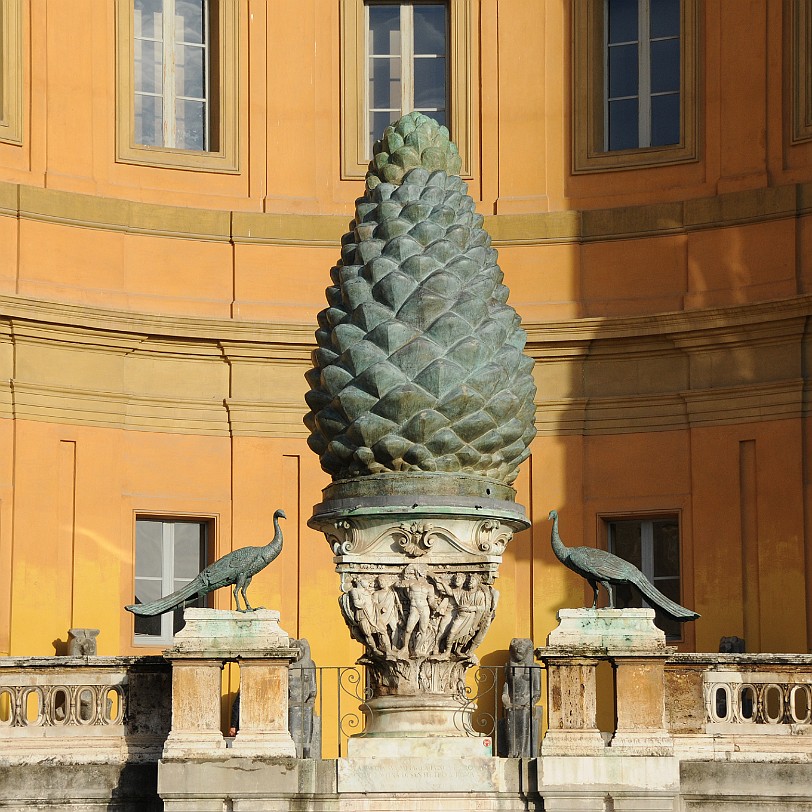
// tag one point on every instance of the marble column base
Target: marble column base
(428, 715)
(261, 745)
(194, 744)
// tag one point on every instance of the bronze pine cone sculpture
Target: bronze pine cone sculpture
(419, 365)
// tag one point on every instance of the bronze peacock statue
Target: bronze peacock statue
(601, 567)
(237, 567)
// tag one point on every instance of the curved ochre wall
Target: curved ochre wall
(156, 323)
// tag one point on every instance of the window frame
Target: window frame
(647, 556)
(167, 575)
(223, 108)
(589, 153)
(801, 53)
(407, 59)
(354, 85)
(11, 72)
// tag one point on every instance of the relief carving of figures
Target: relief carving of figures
(419, 626)
(422, 599)
(388, 612)
(358, 609)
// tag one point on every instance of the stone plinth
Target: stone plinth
(418, 581)
(228, 632)
(195, 709)
(611, 782)
(210, 638)
(571, 686)
(263, 709)
(609, 630)
(636, 648)
(640, 705)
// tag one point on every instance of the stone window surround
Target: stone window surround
(801, 51)
(588, 153)
(354, 161)
(209, 528)
(224, 117)
(11, 72)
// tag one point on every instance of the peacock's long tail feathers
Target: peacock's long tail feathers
(169, 601)
(654, 596)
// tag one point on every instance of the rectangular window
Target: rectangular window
(653, 546)
(172, 79)
(406, 62)
(642, 73)
(177, 83)
(11, 113)
(399, 57)
(168, 554)
(634, 83)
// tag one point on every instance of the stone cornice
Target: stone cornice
(85, 365)
(668, 324)
(252, 338)
(538, 228)
(240, 333)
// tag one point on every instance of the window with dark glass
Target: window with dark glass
(406, 63)
(168, 554)
(642, 75)
(653, 546)
(172, 74)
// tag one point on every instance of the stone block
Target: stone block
(264, 709)
(432, 747)
(444, 775)
(610, 630)
(640, 706)
(229, 633)
(195, 710)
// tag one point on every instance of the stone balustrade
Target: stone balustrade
(83, 708)
(730, 705)
(682, 719)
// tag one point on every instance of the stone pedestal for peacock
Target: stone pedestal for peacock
(422, 408)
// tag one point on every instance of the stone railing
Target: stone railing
(725, 705)
(83, 709)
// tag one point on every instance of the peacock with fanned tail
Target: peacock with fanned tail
(237, 567)
(601, 567)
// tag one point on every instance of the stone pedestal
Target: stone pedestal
(572, 730)
(417, 577)
(417, 726)
(607, 629)
(263, 709)
(636, 648)
(210, 638)
(195, 709)
(640, 705)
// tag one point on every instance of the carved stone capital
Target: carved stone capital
(417, 586)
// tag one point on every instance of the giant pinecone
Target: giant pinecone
(419, 365)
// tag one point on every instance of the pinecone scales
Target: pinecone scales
(419, 365)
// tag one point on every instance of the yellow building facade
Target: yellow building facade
(158, 302)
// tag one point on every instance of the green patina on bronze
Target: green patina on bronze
(419, 366)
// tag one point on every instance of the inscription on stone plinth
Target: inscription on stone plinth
(391, 775)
